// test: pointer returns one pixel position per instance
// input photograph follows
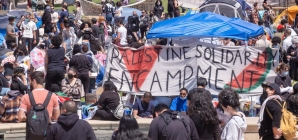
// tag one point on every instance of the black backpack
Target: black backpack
(37, 119)
(168, 117)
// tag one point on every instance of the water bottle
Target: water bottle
(252, 112)
(79, 112)
(127, 111)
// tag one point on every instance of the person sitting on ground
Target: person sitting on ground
(108, 101)
(69, 126)
(269, 127)
(72, 86)
(9, 104)
(142, 108)
(292, 101)
(177, 129)
(4, 87)
(128, 122)
(180, 102)
(201, 84)
(20, 78)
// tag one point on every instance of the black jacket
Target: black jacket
(22, 87)
(3, 82)
(81, 63)
(293, 72)
(47, 20)
(267, 123)
(70, 127)
(292, 104)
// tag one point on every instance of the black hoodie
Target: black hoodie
(70, 127)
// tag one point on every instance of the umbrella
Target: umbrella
(205, 24)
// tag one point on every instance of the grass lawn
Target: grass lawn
(71, 7)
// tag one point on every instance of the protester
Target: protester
(109, 10)
(63, 15)
(122, 34)
(72, 86)
(283, 79)
(19, 77)
(85, 33)
(69, 126)
(10, 33)
(158, 8)
(287, 41)
(4, 87)
(143, 108)
(269, 128)
(68, 36)
(176, 8)
(204, 116)
(180, 103)
(98, 33)
(153, 18)
(236, 126)
(133, 26)
(187, 129)
(54, 63)
(78, 11)
(144, 23)
(227, 42)
(292, 101)
(119, 8)
(29, 28)
(39, 94)
(81, 63)
(201, 84)
(22, 58)
(47, 20)
(108, 101)
(54, 16)
(263, 42)
(171, 8)
(222, 116)
(292, 57)
(128, 130)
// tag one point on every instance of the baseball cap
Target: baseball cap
(275, 87)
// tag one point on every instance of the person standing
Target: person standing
(171, 8)
(10, 33)
(81, 63)
(78, 11)
(54, 17)
(99, 38)
(144, 23)
(69, 126)
(109, 10)
(5, 4)
(63, 15)
(54, 63)
(169, 125)
(158, 8)
(176, 8)
(29, 28)
(47, 20)
(122, 33)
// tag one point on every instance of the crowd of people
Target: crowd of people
(42, 61)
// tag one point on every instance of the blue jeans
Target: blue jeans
(109, 17)
(4, 91)
(5, 7)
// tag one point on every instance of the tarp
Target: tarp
(205, 24)
(291, 12)
(164, 70)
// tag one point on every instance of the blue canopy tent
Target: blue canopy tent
(205, 24)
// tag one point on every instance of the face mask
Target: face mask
(285, 73)
(70, 76)
(182, 98)
(21, 53)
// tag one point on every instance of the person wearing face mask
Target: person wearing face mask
(292, 57)
(180, 103)
(276, 44)
(10, 32)
(236, 126)
(29, 28)
(142, 107)
(283, 79)
(72, 86)
(269, 128)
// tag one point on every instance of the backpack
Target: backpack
(287, 122)
(118, 112)
(37, 118)
(101, 28)
(168, 117)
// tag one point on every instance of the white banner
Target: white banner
(163, 70)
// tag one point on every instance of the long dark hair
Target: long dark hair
(203, 113)
(109, 85)
(129, 129)
(294, 97)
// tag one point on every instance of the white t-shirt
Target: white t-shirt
(123, 35)
(28, 27)
(21, 60)
(55, 17)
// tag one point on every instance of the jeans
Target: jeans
(4, 91)
(4, 7)
(30, 43)
(9, 43)
(109, 17)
